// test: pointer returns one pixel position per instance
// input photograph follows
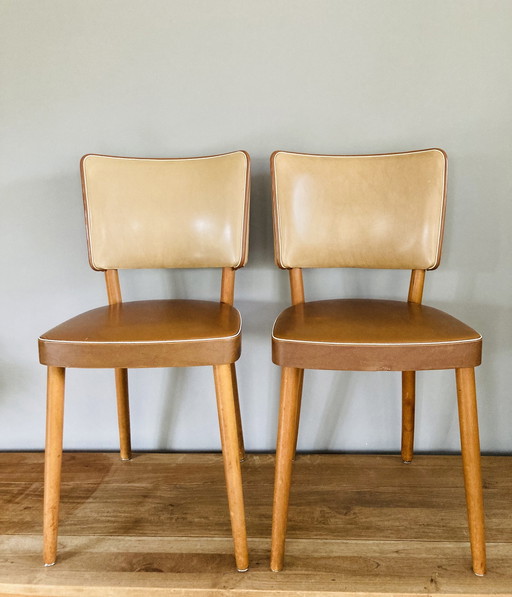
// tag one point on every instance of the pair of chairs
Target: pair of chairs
(375, 211)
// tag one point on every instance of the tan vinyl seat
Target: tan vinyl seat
(373, 211)
(156, 213)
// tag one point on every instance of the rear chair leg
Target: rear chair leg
(123, 413)
(239, 430)
(470, 447)
(408, 403)
(299, 401)
(53, 462)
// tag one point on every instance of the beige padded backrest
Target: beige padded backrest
(379, 211)
(159, 213)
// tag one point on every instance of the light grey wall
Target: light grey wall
(197, 77)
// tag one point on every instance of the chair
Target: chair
(156, 213)
(372, 211)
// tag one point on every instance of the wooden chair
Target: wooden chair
(156, 213)
(374, 211)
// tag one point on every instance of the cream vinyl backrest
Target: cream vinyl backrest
(378, 211)
(165, 213)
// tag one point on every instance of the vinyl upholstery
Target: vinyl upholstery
(381, 211)
(166, 213)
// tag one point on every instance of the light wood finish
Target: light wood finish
(239, 428)
(409, 377)
(297, 297)
(123, 413)
(470, 446)
(121, 375)
(408, 406)
(230, 450)
(53, 461)
(358, 525)
(285, 453)
(296, 286)
(416, 286)
(299, 403)
(113, 287)
(227, 287)
(227, 295)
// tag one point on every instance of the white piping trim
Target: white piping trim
(145, 341)
(380, 343)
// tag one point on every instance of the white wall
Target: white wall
(197, 77)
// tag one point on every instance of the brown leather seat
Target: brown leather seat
(156, 213)
(387, 212)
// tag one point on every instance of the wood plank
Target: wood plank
(359, 524)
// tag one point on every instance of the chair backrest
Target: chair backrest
(367, 211)
(166, 213)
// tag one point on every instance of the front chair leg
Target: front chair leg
(408, 400)
(123, 413)
(53, 461)
(232, 470)
(291, 382)
(470, 447)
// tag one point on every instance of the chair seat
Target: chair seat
(157, 333)
(372, 335)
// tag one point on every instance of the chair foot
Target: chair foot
(406, 461)
(126, 459)
(244, 570)
(48, 565)
(479, 573)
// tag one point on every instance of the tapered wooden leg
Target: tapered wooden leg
(470, 445)
(286, 438)
(123, 413)
(232, 470)
(53, 462)
(408, 401)
(299, 399)
(239, 428)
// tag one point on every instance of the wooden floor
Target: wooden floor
(158, 525)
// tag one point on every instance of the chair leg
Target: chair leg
(123, 413)
(232, 470)
(299, 399)
(286, 438)
(470, 446)
(53, 462)
(239, 429)
(408, 402)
